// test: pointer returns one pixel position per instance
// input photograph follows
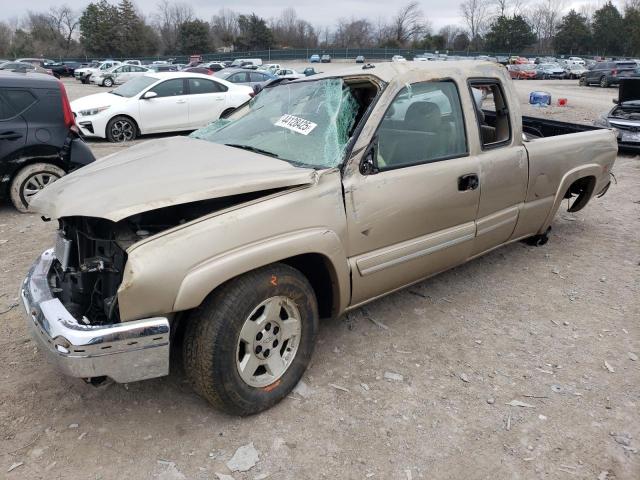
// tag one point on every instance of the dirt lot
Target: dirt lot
(554, 327)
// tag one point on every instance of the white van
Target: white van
(256, 62)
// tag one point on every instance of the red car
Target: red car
(522, 72)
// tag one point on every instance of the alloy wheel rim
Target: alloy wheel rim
(122, 131)
(37, 182)
(268, 341)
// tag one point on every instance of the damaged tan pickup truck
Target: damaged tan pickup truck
(315, 197)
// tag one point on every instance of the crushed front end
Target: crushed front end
(70, 297)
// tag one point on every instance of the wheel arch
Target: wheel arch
(316, 254)
(584, 177)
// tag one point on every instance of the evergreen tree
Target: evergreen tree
(573, 35)
(193, 37)
(632, 31)
(254, 33)
(509, 35)
(608, 30)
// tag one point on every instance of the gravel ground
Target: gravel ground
(434, 395)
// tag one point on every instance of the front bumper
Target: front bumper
(125, 352)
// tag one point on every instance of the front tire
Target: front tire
(582, 81)
(121, 129)
(108, 82)
(30, 180)
(604, 83)
(249, 343)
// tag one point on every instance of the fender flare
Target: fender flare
(205, 277)
(589, 170)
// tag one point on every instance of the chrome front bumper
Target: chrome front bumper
(125, 352)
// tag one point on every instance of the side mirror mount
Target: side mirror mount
(149, 95)
(616, 101)
(368, 164)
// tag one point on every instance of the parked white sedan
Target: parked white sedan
(118, 75)
(155, 103)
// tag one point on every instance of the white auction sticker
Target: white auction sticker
(296, 124)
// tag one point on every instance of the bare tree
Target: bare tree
(291, 31)
(449, 33)
(475, 14)
(168, 19)
(66, 22)
(408, 24)
(224, 27)
(354, 33)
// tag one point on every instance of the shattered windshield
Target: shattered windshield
(304, 123)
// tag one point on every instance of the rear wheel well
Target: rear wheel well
(583, 189)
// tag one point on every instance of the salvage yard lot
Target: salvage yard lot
(415, 385)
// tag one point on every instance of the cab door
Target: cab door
(412, 203)
(503, 166)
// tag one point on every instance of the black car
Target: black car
(39, 141)
(625, 116)
(607, 73)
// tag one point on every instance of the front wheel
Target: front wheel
(30, 180)
(108, 82)
(247, 346)
(121, 129)
(604, 83)
(582, 81)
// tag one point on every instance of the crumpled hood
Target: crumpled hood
(162, 173)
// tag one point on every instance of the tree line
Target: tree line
(120, 29)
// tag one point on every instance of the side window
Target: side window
(15, 101)
(257, 77)
(492, 113)
(124, 69)
(424, 123)
(169, 88)
(240, 77)
(138, 69)
(199, 85)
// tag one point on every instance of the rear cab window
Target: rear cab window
(492, 113)
(200, 85)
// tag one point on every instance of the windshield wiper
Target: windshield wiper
(252, 149)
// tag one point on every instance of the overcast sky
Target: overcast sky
(318, 13)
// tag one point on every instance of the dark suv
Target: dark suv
(607, 73)
(39, 141)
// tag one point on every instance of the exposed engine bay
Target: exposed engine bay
(626, 112)
(92, 253)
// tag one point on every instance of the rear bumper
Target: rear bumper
(125, 352)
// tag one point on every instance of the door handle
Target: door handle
(181, 101)
(470, 181)
(219, 99)
(10, 135)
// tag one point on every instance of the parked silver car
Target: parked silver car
(243, 76)
(118, 75)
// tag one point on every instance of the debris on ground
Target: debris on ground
(518, 403)
(622, 439)
(608, 366)
(396, 377)
(632, 356)
(302, 389)
(224, 476)
(338, 387)
(464, 378)
(491, 400)
(244, 459)
(14, 466)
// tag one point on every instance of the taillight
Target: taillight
(67, 113)
(614, 72)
